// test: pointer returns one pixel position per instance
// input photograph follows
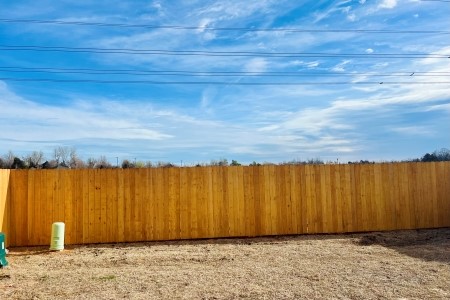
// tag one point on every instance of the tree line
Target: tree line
(68, 158)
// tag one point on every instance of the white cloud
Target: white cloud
(340, 66)
(346, 9)
(321, 15)
(121, 128)
(413, 130)
(256, 65)
(439, 107)
(234, 9)
(351, 17)
(203, 23)
(285, 119)
(380, 65)
(360, 78)
(297, 63)
(309, 64)
(312, 64)
(338, 7)
(27, 120)
(388, 4)
(437, 61)
(206, 103)
(156, 5)
(206, 34)
(377, 102)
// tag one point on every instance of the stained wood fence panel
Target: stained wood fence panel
(5, 202)
(125, 205)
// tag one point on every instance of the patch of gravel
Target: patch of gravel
(411, 264)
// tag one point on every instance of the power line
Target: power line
(219, 53)
(219, 82)
(244, 29)
(210, 73)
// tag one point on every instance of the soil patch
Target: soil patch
(399, 264)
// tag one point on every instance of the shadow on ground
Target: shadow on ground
(425, 244)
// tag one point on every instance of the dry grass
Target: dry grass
(402, 264)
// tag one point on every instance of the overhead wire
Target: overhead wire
(219, 82)
(218, 53)
(138, 72)
(244, 29)
(215, 53)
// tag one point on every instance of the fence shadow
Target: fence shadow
(26, 251)
(243, 240)
(424, 244)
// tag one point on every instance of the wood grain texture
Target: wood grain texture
(126, 205)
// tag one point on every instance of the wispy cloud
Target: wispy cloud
(256, 65)
(388, 4)
(27, 120)
(203, 122)
(382, 102)
(307, 64)
(413, 130)
(439, 107)
(340, 67)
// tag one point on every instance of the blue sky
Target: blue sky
(201, 122)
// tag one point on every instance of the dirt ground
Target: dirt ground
(395, 265)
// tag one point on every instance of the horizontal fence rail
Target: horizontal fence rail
(126, 205)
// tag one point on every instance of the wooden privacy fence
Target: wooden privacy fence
(124, 205)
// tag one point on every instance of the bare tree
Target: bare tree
(103, 163)
(443, 154)
(75, 162)
(91, 162)
(34, 159)
(220, 162)
(61, 154)
(3, 164)
(8, 159)
(73, 153)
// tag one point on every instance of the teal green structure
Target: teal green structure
(3, 261)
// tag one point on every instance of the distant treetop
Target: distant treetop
(67, 158)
